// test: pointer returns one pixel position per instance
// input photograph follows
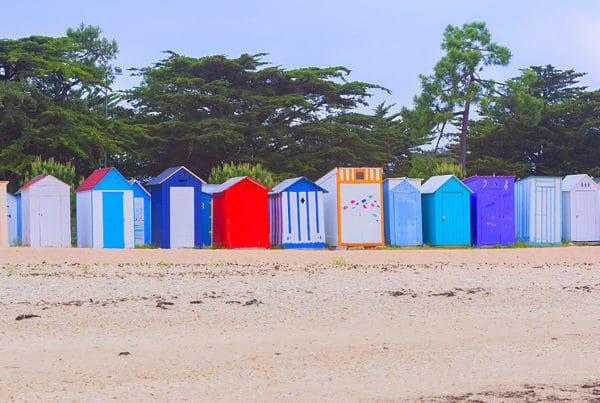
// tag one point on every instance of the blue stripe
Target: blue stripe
(298, 215)
(307, 215)
(317, 210)
(289, 220)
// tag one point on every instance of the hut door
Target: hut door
(405, 219)
(585, 217)
(491, 218)
(113, 220)
(360, 214)
(453, 217)
(49, 227)
(182, 217)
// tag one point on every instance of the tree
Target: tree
(51, 92)
(456, 85)
(226, 171)
(426, 165)
(561, 136)
(203, 112)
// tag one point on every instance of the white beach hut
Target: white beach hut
(46, 212)
(581, 209)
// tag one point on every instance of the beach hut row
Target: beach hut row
(346, 207)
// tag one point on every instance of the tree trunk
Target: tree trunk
(463, 139)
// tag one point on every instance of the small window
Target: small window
(360, 175)
(302, 200)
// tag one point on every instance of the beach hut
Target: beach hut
(581, 209)
(353, 206)
(176, 215)
(141, 214)
(492, 209)
(296, 214)
(105, 210)
(446, 211)
(538, 210)
(241, 214)
(403, 224)
(46, 212)
(207, 213)
(3, 215)
(12, 206)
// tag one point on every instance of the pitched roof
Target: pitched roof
(570, 181)
(436, 182)
(93, 179)
(135, 182)
(230, 182)
(31, 182)
(209, 188)
(289, 182)
(167, 173)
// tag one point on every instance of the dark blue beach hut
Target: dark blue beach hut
(141, 214)
(492, 209)
(446, 211)
(403, 223)
(176, 209)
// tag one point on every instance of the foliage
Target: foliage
(52, 94)
(426, 165)
(227, 171)
(63, 171)
(456, 84)
(565, 139)
(213, 109)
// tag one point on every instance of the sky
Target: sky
(384, 42)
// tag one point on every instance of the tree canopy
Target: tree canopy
(57, 103)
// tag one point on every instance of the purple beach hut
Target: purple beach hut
(492, 209)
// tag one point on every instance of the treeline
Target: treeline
(56, 101)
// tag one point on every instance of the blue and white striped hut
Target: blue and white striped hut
(538, 205)
(296, 214)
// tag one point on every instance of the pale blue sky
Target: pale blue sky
(382, 41)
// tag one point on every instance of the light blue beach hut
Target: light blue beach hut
(403, 223)
(105, 210)
(538, 208)
(296, 214)
(13, 219)
(446, 211)
(141, 213)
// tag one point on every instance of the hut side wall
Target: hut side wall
(330, 207)
(84, 214)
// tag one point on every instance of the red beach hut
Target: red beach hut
(241, 214)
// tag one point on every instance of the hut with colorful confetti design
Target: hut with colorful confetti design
(353, 208)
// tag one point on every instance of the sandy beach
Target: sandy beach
(286, 325)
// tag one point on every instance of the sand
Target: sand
(282, 325)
